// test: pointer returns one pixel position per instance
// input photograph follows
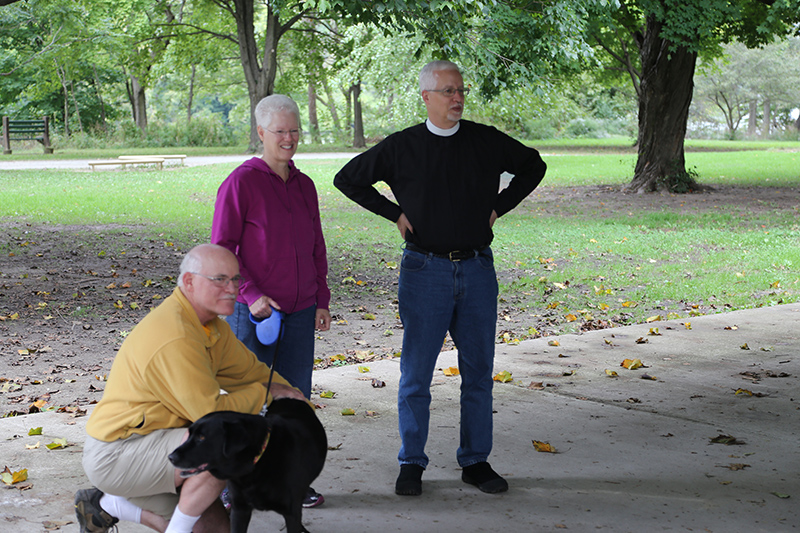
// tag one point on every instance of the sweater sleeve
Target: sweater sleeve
(528, 169)
(358, 177)
(227, 227)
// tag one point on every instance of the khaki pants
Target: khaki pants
(136, 468)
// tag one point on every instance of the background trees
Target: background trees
(191, 71)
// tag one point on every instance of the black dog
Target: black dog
(269, 461)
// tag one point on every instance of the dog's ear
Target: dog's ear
(236, 438)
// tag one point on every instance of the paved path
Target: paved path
(634, 455)
(191, 161)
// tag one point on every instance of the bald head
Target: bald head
(209, 279)
(194, 260)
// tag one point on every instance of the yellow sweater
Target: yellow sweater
(169, 372)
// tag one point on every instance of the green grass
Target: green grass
(555, 258)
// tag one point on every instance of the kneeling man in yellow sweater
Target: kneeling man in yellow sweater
(171, 370)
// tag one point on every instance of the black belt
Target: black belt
(455, 255)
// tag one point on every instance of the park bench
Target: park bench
(26, 130)
(124, 162)
(172, 156)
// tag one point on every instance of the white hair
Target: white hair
(272, 104)
(427, 76)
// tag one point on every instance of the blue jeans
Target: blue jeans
(437, 295)
(295, 360)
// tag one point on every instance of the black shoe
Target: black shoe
(409, 482)
(313, 499)
(91, 517)
(482, 476)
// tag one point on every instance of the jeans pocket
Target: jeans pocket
(413, 261)
(486, 260)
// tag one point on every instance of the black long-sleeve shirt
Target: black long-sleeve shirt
(446, 186)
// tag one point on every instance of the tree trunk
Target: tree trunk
(191, 96)
(358, 122)
(139, 104)
(75, 103)
(63, 80)
(752, 122)
(767, 119)
(332, 106)
(260, 79)
(313, 120)
(103, 124)
(666, 93)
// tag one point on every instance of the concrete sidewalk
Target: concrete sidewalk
(634, 455)
(191, 161)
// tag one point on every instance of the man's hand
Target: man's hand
(279, 390)
(322, 321)
(262, 308)
(404, 225)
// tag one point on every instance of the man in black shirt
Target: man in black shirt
(445, 176)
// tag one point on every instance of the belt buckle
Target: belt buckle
(451, 255)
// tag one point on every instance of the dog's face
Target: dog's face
(219, 443)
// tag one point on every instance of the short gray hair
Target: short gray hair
(427, 76)
(275, 103)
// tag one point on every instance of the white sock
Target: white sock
(181, 523)
(121, 508)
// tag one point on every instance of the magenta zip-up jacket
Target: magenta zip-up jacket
(275, 231)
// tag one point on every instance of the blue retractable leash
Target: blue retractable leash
(269, 331)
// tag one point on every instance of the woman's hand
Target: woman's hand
(322, 321)
(262, 308)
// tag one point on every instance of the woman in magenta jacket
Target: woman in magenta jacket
(267, 214)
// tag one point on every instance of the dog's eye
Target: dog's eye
(200, 438)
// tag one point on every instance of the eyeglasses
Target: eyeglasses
(450, 92)
(221, 281)
(282, 133)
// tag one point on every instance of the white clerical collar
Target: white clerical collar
(442, 132)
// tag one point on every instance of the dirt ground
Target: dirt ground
(69, 295)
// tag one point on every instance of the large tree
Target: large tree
(258, 28)
(656, 43)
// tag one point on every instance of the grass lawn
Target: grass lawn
(576, 252)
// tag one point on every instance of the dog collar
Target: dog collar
(263, 447)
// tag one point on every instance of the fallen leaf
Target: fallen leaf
(57, 443)
(536, 385)
(328, 394)
(729, 440)
(503, 377)
(611, 373)
(553, 343)
(378, 384)
(348, 412)
(780, 495)
(363, 369)
(743, 391)
(32, 446)
(55, 524)
(450, 371)
(648, 376)
(632, 364)
(735, 466)
(543, 447)
(641, 340)
(35, 431)
(744, 346)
